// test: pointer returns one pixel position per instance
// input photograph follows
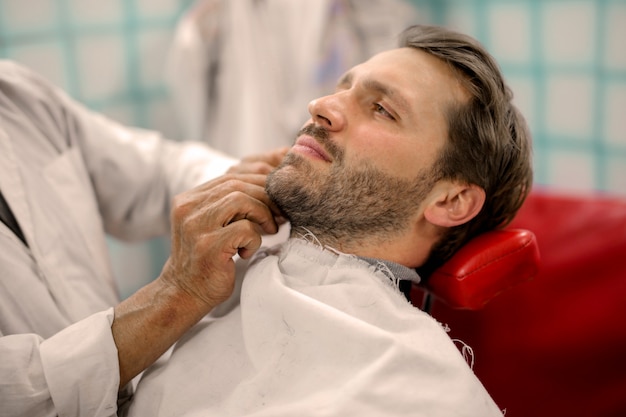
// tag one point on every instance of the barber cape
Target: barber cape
(315, 333)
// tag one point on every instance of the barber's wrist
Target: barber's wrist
(199, 291)
(180, 303)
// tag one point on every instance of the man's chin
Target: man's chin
(288, 182)
(293, 164)
(294, 159)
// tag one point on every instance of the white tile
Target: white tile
(510, 32)
(158, 8)
(462, 17)
(569, 106)
(524, 97)
(571, 170)
(153, 45)
(615, 114)
(616, 175)
(424, 14)
(615, 36)
(102, 66)
(95, 11)
(569, 32)
(20, 14)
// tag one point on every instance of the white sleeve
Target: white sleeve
(134, 172)
(73, 373)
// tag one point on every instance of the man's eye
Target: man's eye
(380, 109)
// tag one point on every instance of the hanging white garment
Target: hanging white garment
(315, 333)
(242, 72)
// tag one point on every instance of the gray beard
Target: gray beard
(348, 204)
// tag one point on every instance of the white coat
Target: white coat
(315, 333)
(242, 72)
(71, 176)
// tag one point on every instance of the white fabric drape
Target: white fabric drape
(315, 334)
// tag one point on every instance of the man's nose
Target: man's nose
(328, 111)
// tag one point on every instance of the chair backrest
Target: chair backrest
(486, 266)
(555, 346)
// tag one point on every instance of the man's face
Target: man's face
(363, 162)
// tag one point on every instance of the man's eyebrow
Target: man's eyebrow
(379, 87)
(388, 91)
(346, 79)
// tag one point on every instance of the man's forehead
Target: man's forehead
(404, 73)
(401, 61)
(378, 59)
(380, 73)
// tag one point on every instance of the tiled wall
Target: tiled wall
(107, 54)
(566, 63)
(565, 60)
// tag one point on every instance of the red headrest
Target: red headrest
(484, 267)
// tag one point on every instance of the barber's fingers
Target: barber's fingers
(217, 188)
(262, 163)
(240, 205)
(244, 238)
(252, 185)
(275, 156)
(258, 167)
(216, 247)
(210, 224)
(205, 269)
(203, 245)
(230, 182)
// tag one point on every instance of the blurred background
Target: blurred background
(564, 59)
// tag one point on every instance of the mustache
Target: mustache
(321, 135)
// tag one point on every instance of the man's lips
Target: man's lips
(309, 146)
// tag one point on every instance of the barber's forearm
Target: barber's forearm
(210, 225)
(149, 322)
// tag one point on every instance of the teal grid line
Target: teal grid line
(481, 15)
(66, 39)
(540, 158)
(599, 148)
(437, 9)
(130, 28)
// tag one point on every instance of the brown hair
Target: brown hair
(489, 143)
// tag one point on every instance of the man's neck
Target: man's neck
(399, 249)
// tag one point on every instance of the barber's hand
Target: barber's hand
(259, 164)
(210, 224)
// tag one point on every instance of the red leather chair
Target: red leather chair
(556, 345)
(485, 267)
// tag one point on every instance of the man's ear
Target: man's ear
(451, 203)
